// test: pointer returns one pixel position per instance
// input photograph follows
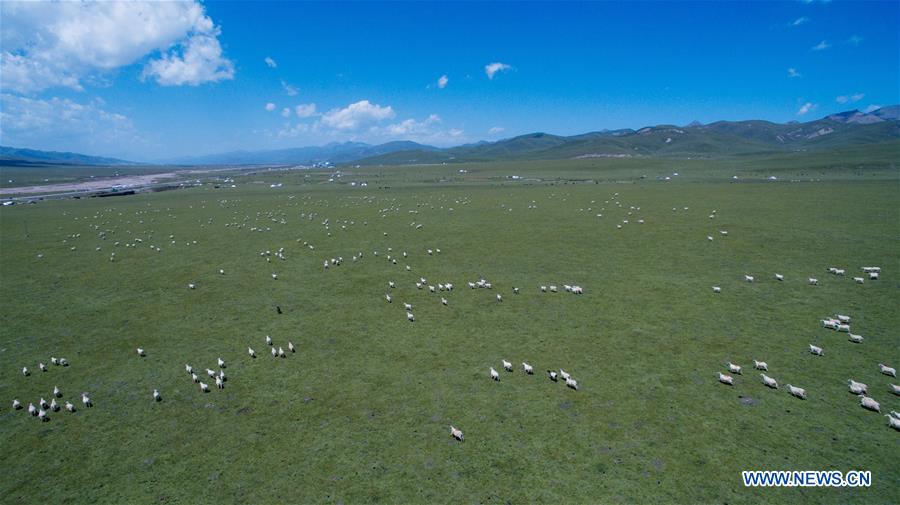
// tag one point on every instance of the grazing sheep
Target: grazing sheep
(844, 328)
(222, 375)
(552, 375)
(779, 277)
(499, 298)
(873, 276)
(734, 368)
(16, 405)
(816, 350)
(54, 406)
(455, 433)
(281, 352)
(251, 352)
(221, 363)
(527, 368)
(410, 317)
(407, 306)
(195, 378)
(188, 368)
(892, 422)
(43, 404)
(813, 281)
(572, 383)
(494, 375)
(760, 365)
(709, 237)
(895, 414)
(768, 381)
(869, 403)
(515, 290)
(431, 289)
(42, 367)
(220, 383)
(63, 362)
(56, 392)
(856, 339)
(274, 352)
(895, 389)
(543, 289)
(887, 370)
(843, 319)
(156, 395)
(506, 365)
(31, 409)
(70, 407)
(748, 278)
(210, 372)
(391, 284)
(54, 360)
(857, 387)
(798, 392)
(42, 415)
(388, 298)
(268, 340)
(553, 289)
(726, 379)
(291, 347)
(140, 352)
(444, 301)
(717, 289)
(564, 374)
(204, 387)
(86, 400)
(191, 285)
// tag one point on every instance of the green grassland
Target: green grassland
(361, 412)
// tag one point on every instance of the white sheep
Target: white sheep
(506, 365)
(893, 423)
(813, 281)
(857, 387)
(455, 433)
(291, 347)
(408, 306)
(53, 405)
(734, 368)
(16, 405)
(388, 298)
(210, 372)
(873, 276)
(768, 381)
(251, 352)
(70, 407)
(869, 403)
(43, 404)
(274, 352)
(444, 301)
(494, 375)
(194, 377)
(188, 368)
(42, 367)
(54, 360)
(816, 350)
(63, 362)
(844, 327)
(726, 379)
(268, 340)
(760, 365)
(572, 383)
(56, 392)
(748, 278)
(31, 409)
(86, 400)
(140, 352)
(717, 289)
(204, 387)
(156, 396)
(709, 237)
(220, 383)
(499, 298)
(191, 285)
(859, 280)
(222, 375)
(221, 363)
(895, 389)
(527, 368)
(564, 374)
(887, 370)
(843, 319)
(856, 339)
(515, 290)
(779, 277)
(42, 415)
(543, 289)
(553, 289)
(552, 375)
(798, 392)
(281, 352)
(391, 284)
(410, 317)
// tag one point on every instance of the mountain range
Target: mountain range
(721, 138)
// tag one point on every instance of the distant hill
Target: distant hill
(25, 156)
(722, 138)
(334, 152)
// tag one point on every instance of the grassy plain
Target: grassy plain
(361, 412)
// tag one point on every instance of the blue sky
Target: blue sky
(157, 80)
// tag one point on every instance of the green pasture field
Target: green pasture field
(361, 412)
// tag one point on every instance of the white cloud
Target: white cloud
(871, 108)
(286, 112)
(270, 62)
(305, 110)
(799, 21)
(64, 125)
(356, 115)
(442, 81)
(412, 127)
(60, 44)
(290, 90)
(496, 130)
(270, 106)
(850, 98)
(821, 46)
(793, 72)
(854, 40)
(200, 62)
(492, 68)
(806, 107)
(291, 131)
